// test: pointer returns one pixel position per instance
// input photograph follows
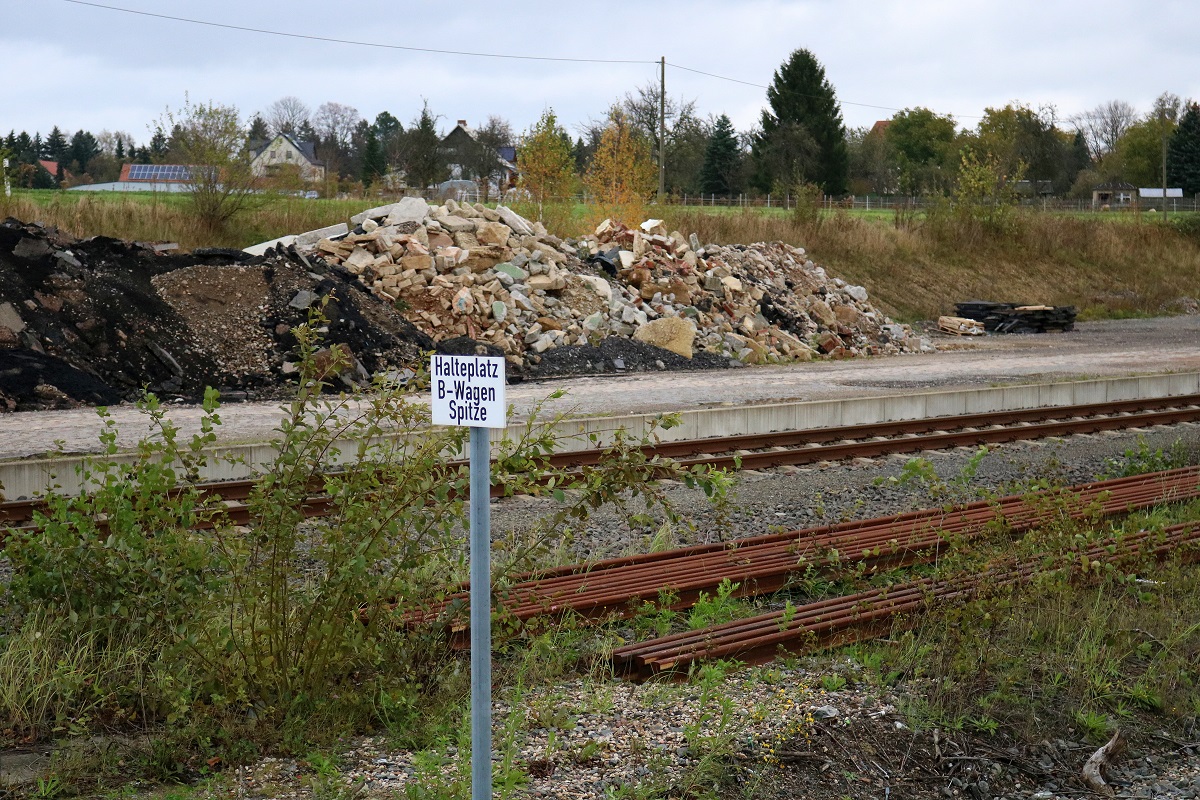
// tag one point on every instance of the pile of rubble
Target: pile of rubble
(497, 278)
(96, 321)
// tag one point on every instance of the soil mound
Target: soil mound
(97, 320)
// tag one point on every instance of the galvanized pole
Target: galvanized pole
(662, 132)
(481, 615)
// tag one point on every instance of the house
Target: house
(1114, 194)
(462, 139)
(268, 157)
(53, 166)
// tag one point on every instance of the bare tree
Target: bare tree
(1104, 125)
(1167, 107)
(335, 123)
(287, 115)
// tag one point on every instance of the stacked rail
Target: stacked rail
(869, 614)
(615, 588)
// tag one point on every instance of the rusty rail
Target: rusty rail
(869, 614)
(760, 565)
(788, 447)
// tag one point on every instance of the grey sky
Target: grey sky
(84, 67)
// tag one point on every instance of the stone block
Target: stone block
(670, 333)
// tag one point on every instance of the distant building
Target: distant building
(52, 167)
(1114, 194)
(145, 178)
(462, 137)
(268, 157)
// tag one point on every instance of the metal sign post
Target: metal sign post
(469, 390)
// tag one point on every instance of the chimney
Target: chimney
(462, 123)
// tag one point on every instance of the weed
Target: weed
(1141, 459)
(833, 683)
(709, 610)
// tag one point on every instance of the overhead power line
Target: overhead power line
(354, 42)
(473, 54)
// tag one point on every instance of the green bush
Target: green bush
(297, 622)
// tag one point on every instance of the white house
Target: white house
(270, 156)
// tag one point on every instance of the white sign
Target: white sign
(468, 391)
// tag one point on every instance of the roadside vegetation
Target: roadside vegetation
(149, 639)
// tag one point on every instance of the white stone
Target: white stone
(409, 209)
(599, 286)
(512, 219)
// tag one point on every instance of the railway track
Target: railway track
(761, 451)
(760, 565)
(870, 614)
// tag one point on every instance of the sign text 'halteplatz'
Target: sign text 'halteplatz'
(468, 391)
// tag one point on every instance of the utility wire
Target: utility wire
(352, 41)
(761, 86)
(510, 56)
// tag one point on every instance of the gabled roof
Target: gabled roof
(306, 149)
(1114, 186)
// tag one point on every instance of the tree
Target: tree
(287, 114)
(1183, 152)
(622, 174)
(259, 131)
(925, 152)
(374, 166)
(210, 139)
(1104, 126)
(56, 145)
(334, 125)
(158, 145)
(1138, 154)
(804, 115)
(425, 160)
(872, 161)
(83, 149)
(480, 158)
(686, 133)
(722, 160)
(546, 163)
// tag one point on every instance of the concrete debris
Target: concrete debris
(492, 276)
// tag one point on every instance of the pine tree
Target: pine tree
(374, 166)
(1183, 152)
(803, 108)
(119, 150)
(722, 160)
(425, 162)
(158, 144)
(57, 144)
(259, 132)
(39, 146)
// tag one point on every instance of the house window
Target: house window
(289, 155)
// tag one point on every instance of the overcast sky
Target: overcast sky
(77, 66)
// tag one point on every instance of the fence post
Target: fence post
(768, 199)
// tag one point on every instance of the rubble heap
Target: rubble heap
(460, 270)
(95, 321)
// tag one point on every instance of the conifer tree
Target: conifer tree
(374, 165)
(1183, 152)
(804, 115)
(722, 160)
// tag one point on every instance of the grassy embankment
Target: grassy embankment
(915, 266)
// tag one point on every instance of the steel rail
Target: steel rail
(869, 614)
(793, 447)
(764, 564)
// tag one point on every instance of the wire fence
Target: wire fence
(830, 203)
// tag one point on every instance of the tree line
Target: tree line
(799, 145)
